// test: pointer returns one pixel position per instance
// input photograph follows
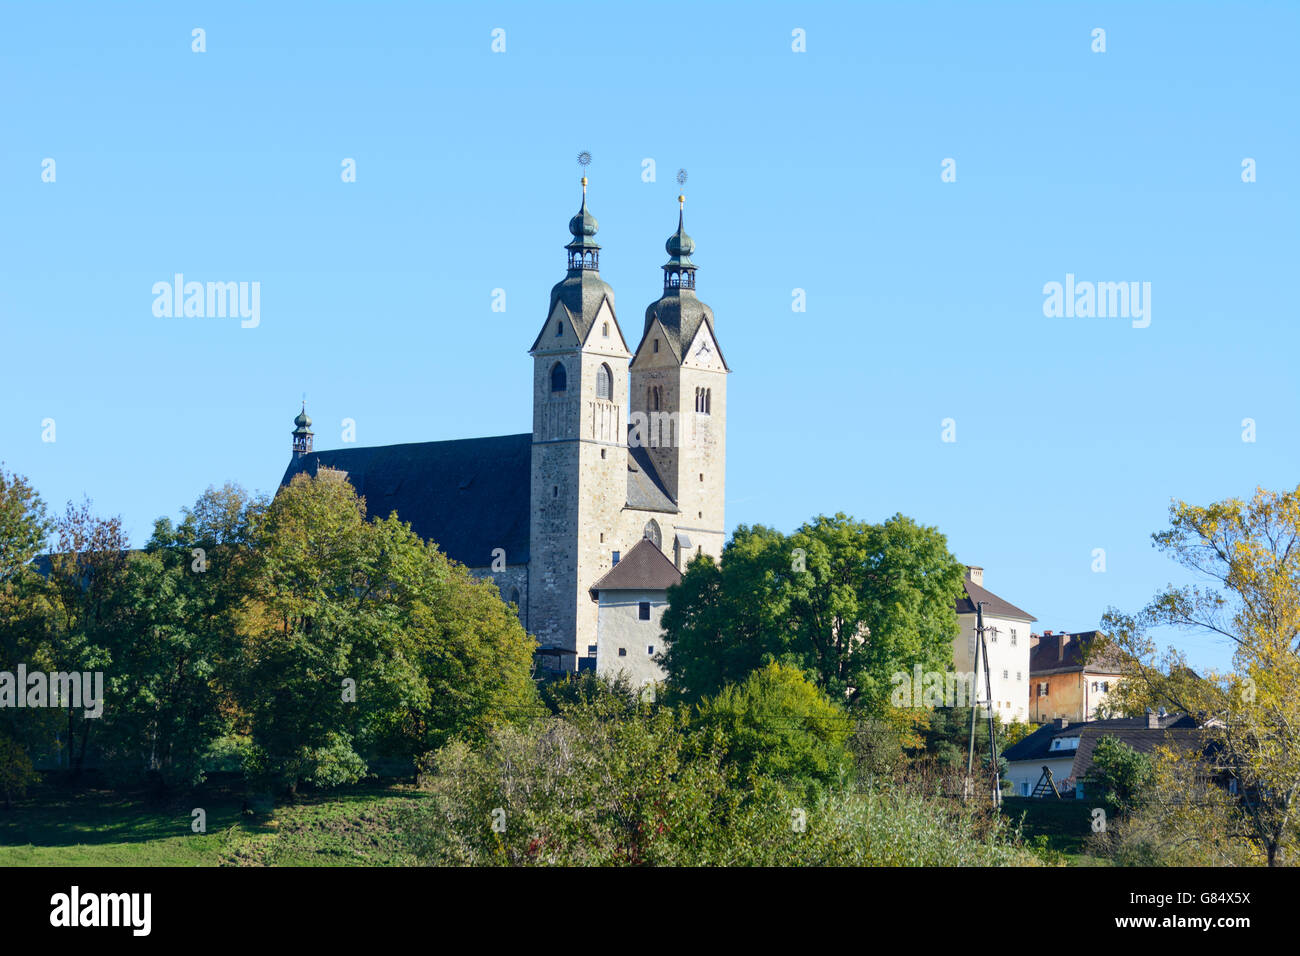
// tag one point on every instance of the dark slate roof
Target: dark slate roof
(993, 605)
(1174, 728)
(680, 313)
(1046, 655)
(644, 568)
(645, 489)
(468, 496)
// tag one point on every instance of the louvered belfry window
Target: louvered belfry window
(604, 384)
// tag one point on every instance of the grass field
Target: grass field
(55, 826)
(348, 827)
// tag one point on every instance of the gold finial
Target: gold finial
(584, 184)
(681, 201)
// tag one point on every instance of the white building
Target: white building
(1007, 630)
(631, 599)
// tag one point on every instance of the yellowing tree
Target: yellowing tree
(1249, 554)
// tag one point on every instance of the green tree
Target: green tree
(778, 724)
(1119, 775)
(362, 640)
(176, 640)
(847, 602)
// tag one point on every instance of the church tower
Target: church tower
(302, 434)
(579, 447)
(679, 402)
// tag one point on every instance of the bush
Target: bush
(595, 787)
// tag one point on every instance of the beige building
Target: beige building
(1071, 675)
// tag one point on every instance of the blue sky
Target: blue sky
(818, 170)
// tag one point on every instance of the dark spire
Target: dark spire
(679, 270)
(302, 434)
(584, 253)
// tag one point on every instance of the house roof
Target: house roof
(1133, 731)
(469, 496)
(1066, 652)
(994, 606)
(643, 568)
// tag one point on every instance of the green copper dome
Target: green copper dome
(679, 244)
(584, 224)
(302, 421)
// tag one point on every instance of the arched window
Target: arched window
(604, 382)
(653, 533)
(708, 401)
(514, 596)
(559, 378)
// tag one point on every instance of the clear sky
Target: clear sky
(818, 170)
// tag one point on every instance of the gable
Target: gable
(646, 357)
(596, 341)
(568, 339)
(704, 352)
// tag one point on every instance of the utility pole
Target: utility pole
(981, 647)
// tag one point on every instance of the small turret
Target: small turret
(302, 433)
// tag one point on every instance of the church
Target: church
(585, 521)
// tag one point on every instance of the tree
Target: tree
(778, 724)
(847, 602)
(84, 601)
(176, 646)
(1248, 555)
(1120, 775)
(16, 772)
(23, 525)
(362, 640)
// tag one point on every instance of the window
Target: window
(1024, 788)
(701, 476)
(1105, 686)
(1094, 685)
(555, 491)
(602, 537)
(604, 329)
(616, 556)
(650, 649)
(514, 596)
(559, 329)
(591, 650)
(602, 454)
(559, 378)
(604, 382)
(1004, 675)
(643, 610)
(622, 652)
(1013, 637)
(656, 345)
(1018, 675)
(653, 533)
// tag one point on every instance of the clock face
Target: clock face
(704, 347)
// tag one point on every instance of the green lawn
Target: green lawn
(349, 827)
